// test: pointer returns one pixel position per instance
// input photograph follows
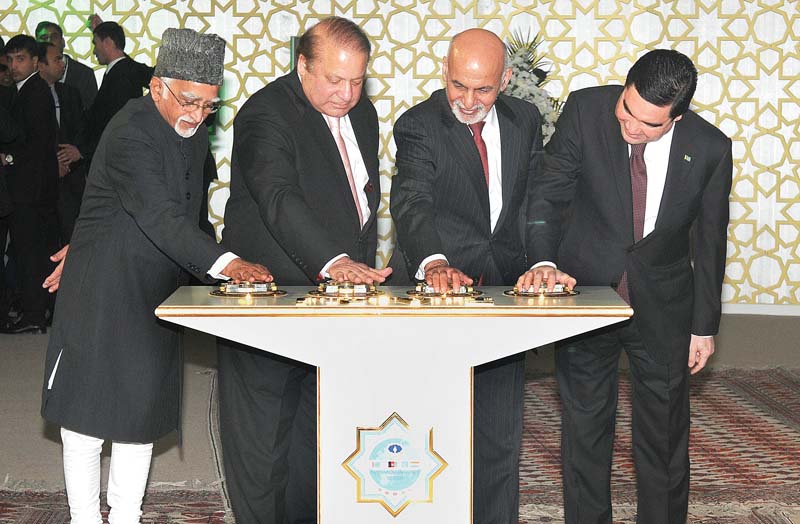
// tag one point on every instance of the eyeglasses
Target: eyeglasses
(194, 106)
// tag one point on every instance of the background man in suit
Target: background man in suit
(10, 130)
(6, 82)
(304, 200)
(466, 158)
(124, 79)
(653, 219)
(32, 183)
(75, 74)
(112, 370)
(71, 124)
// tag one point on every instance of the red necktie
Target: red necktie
(337, 134)
(639, 199)
(481, 145)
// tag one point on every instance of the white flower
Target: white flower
(526, 84)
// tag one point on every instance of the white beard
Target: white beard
(185, 133)
(479, 116)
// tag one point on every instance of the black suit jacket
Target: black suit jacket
(134, 241)
(82, 78)
(439, 199)
(125, 81)
(583, 219)
(72, 127)
(33, 178)
(9, 130)
(290, 206)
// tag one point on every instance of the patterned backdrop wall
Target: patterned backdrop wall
(746, 52)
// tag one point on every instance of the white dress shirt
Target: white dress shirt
(656, 158)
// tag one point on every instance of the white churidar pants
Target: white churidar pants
(127, 479)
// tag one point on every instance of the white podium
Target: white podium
(394, 383)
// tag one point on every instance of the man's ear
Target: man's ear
(506, 79)
(302, 66)
(155, 89)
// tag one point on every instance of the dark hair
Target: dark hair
(2, 44)
(42, 53)
(664, 77)
(338, 30)
(113, 31)
(22, 43)
(48, 25)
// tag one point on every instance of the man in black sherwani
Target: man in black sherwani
(113, 370)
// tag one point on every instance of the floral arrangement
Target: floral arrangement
(528, 76)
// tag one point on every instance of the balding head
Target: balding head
(475, 71)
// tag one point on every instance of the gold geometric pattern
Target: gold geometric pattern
(746, 52)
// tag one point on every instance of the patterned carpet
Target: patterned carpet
(744, 447)
(745, 450)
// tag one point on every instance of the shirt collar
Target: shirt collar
(22, 82)
(113, 63)
(66, 67)
(491, 118)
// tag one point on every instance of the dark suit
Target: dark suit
(71, 130)
(33, 186)
(82, 78)
(440, 204)
(583, 217)
(123, 82)
(9, 130)
(292, 210)
(118, 376)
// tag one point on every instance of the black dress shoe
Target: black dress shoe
(23, 326)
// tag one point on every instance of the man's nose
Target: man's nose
(469, 100)
(346, 92)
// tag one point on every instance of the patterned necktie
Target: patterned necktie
(476, 129)
(639, 199)
(638, 189)
(337, 135)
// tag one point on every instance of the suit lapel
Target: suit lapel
(510, 146)
(365, 138)
(465, 152)
(681, 152)
(619, 160)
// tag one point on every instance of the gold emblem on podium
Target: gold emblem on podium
(394, 465)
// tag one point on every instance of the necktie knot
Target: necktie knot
(335, 124)
(637, 150)
(477, 127)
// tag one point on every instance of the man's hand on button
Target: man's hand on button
(348, 269)
(240, 270)
(533, 278)
(443, 277)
